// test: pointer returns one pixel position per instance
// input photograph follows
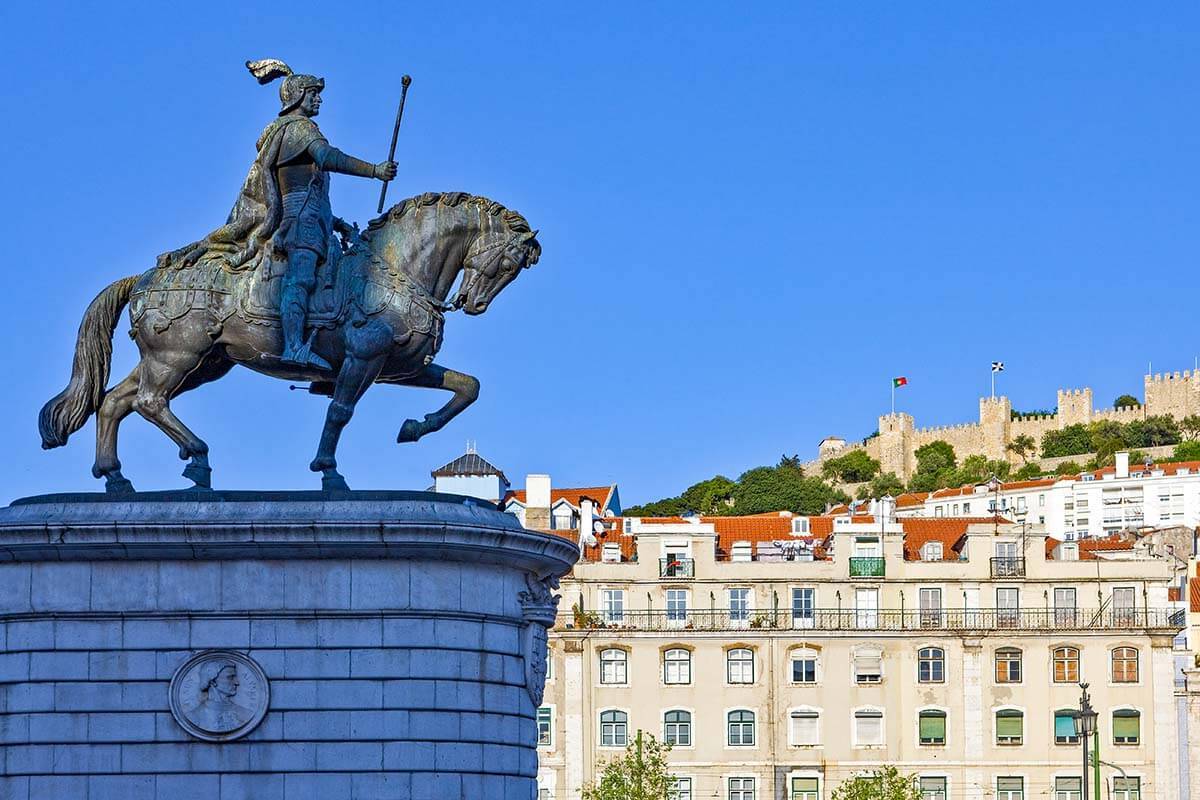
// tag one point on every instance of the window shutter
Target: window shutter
(932, 725)
(1126, 725)
(1009, 724)
(1064, 724)
(804, 784)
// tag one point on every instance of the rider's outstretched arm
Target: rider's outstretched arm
(330, 159)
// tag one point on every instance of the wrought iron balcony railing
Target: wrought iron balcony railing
(825, 619)
(1008, 567)
(676, 568)
(866, 567)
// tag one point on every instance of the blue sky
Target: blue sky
(752, 217)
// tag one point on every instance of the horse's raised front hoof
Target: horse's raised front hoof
(410, 431)
(199, 474)
(117, 484)
(332, 481)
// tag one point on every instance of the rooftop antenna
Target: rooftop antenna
(470, 446)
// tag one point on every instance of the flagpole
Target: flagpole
(893, 397)
(993, 383)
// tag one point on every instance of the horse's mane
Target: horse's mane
(515, 222)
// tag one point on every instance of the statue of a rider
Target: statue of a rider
(283, 211)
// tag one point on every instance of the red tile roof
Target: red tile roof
(1194, 594)
(1089, 546)
(950, 531)
(600, 494)
(910, 499)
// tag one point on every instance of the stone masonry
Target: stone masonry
(1176, 395)
(393, 633)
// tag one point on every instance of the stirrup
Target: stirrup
(304, 356)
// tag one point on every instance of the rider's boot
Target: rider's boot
(295, 349)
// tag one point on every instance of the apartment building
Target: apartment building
(783, 655)
(1095, 503)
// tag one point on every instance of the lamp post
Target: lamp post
(1085, 726)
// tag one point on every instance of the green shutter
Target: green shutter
(804, 784)
(1064, 724)
(933, 725)
(1009, 723)
(1126, 725)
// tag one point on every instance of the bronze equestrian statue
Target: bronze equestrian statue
(373, 302)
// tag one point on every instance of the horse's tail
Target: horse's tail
(66, 412)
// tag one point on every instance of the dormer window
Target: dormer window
(800, 526)
(931, 551)
(740, 552)
(611, 553)
(563, 519)
(1070, 551)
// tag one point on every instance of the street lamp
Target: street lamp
(1085, 726)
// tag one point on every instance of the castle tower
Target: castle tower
(1177, 394)
(1074, 407)
(995, 422)
(896, 445)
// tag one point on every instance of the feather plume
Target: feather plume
(268, 69)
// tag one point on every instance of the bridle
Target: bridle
(495, 253)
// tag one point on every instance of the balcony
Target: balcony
(866, 567)
(848, 619)
(1008, 567)
(676, 568)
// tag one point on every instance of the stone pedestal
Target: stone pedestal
(260, 646)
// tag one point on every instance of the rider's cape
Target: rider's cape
(256, 214)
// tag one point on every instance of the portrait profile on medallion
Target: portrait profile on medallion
(219, 695)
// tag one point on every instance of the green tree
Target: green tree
(1023, 445)
(1028, 472)
(1068, 468)
(709, 497)
(1186, 451)
(1153, 431)
(935, 457)
(1189, 427)
(667, 507)
(640, 773)
(880, 486)
(782, 488)
(854, 467)
(883, 784)
(1126, 401)
(1072, 440)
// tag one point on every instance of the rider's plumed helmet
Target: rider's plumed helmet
(294, 85)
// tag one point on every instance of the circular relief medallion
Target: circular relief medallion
(219, 695)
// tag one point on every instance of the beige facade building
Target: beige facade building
(1176, 395)
(784, 655)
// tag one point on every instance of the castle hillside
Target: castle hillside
(1173, 394)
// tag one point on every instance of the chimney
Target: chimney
(586, 535)
(1122, 465)
(537, 502)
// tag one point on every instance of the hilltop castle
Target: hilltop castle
(1176, 395)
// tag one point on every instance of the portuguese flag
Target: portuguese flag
(898, 382)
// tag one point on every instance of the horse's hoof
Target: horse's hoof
(332, 481)
(199, 475)
(117, 484)
(410, 431)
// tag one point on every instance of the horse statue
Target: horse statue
(377, 318)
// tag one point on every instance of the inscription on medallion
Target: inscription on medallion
(219, 695)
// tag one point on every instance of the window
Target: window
(1125, 665)
(564, 519)
(545, 724)
(803, 606)
(1126, 726)
(1066, 665)
(932, 788)
(1064, 726)
(739, 665)
(1070, 551)
(955, 510)
(740, 726)
(1008, 607)
(1010, 789)
(612, 605)
(677, 728)
(677, 666)
(931, 665)
(1068, 789)
(966, 508)
(931, 608)
(868, 665)
(610, 553)
(866, 608)
(681, 789)
(1008, 665)
(741, 789)
(931, 727)
(614, 666)
(806, 727)
(800, 526)
(739, 605)
(677, 605)
(868, 727)
(1124, 605)
(1041, 501)
(804, 665)
(806, 789)
(1010, 726)
(614, 729)
(1127, 789)
(1064, 603)
(931, 551)
(740, 552)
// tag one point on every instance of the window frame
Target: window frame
(873, 712)
(687, 725)
(922, 659)
(1020, 662)
(742, 788)
(549, 743)
(807, 711)
(1066, 659)
(934, 711)
(802, 652)
(741, 723)
(863, 651)
(624, 713)
(730, 660)
(667, 661)
(623, 661)
(1007, 712)
(673, 791)
(1068, 741)
(1125, 712)
(945, 790)
(1137, 665)
(1009, 795)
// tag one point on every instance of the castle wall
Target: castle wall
(1176, 394)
